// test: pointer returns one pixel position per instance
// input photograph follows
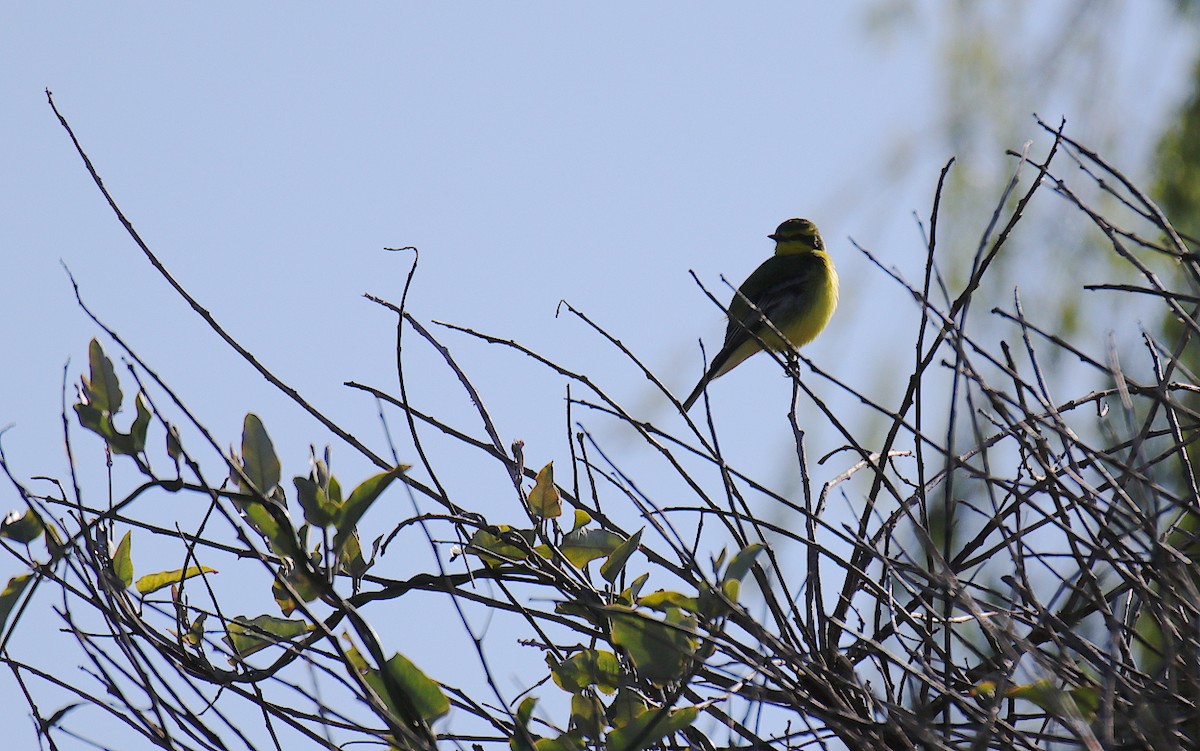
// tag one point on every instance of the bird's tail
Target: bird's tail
(696, 392)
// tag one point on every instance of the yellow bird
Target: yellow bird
(796, 289)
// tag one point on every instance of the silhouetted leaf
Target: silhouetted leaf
(101, 389)
(22, 527)
(612, 568)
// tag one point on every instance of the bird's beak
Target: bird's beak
(772, 235)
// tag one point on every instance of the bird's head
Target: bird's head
(798, 231)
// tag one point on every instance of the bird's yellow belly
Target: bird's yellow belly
(799, 326)
(802, 327)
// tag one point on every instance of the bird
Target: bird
(796, 290)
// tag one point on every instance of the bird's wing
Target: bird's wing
(780, 285)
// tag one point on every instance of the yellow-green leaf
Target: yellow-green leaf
(612, 568)
(522, 735)
(361, 499)
(564, 742)
(11, 595)
(630, 593)
(664, 600)
(419, 692)
(248, 635)
(122, 560)
(544, 501)
(302, 582)
(660, 650)
(195, 632)
(582, 519)
(154, 582)
(587, 715)
(624, 708)
(649, 727)
(584, 545)
(484, 542)
(741, 563)
(591, 668)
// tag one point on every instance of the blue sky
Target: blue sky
(268, 153)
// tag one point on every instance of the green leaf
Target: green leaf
(732, 588)
(564, 742)
(660, 650)
(649, 727)
(522, 735)
(612, 568)
(95, 420)
(582, 519)
(141, 423)
(623, 709)
(587, 715)
(741, 563)
(525, 710)
(350, 558)
(101, 389)
(664, 600)
(270, 519)
(633, 590)
(245, 636)
(174, 444)
(319, 510)
(133, 442)
(361, 499)
(154, 582)
(420, 695)
(195, 632)
(301, 581)
(484, 542)
(122, 560)
(587, 669)
(584, 545)
(10, 596)
(544, 500)
(587, 612)
(259, 462)
(23, 528)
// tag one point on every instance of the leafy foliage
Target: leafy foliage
(1036, 587)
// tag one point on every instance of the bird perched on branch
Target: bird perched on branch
(796, 290)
